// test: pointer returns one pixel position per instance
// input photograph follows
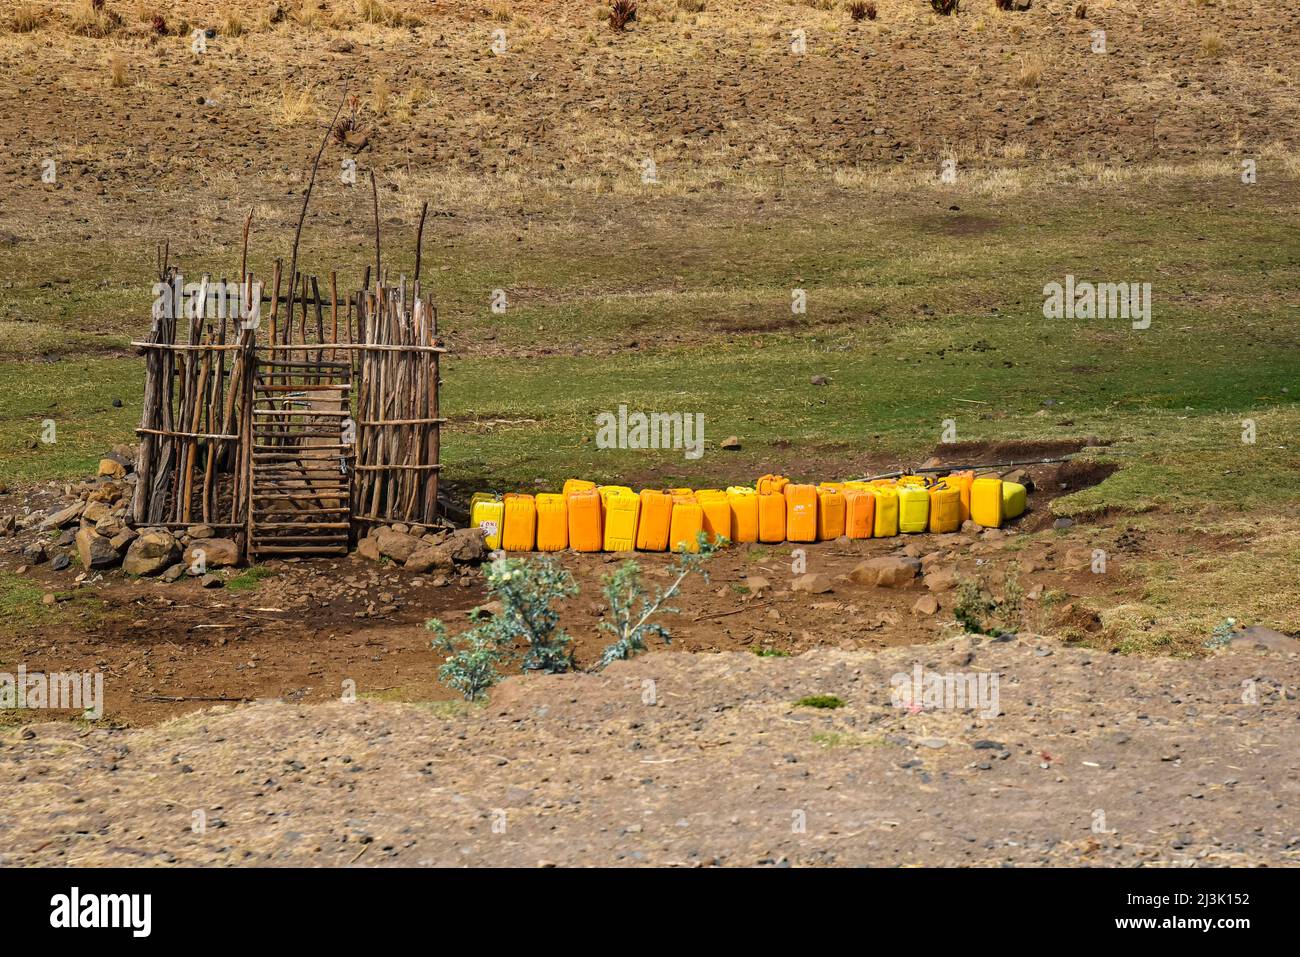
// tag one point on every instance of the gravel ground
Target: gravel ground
(699, 760)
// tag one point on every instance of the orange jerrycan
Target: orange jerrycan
(771, 517)
(831, 506)
(945, 509)
(687, 523)
(801, 513)
(886, 522)
(622, 507)
(769, 484)
(962, 481)
(577, 485)
(717, 513)
(1014, 499)
(552, 522)
(859, 513)
(656, 519)
(743, 503)
(913, 508)
(488, 514)
(986, 501)
(585, 531)
(520, 532)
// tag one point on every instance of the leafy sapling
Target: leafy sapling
(526, 590)
(631, 606)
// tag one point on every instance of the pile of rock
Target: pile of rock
(424, 550)
(91, 526)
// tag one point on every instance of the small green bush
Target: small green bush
(819, 701)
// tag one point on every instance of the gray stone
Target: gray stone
(216, 553)
(467, 545)
(396, 545)
(888, 571)
(95, 551)
(63, 517)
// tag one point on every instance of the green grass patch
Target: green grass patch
(826, 701)
(249, 578)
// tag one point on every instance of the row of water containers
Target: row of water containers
(590, 518)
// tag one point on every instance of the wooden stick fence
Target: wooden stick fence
(285, 444)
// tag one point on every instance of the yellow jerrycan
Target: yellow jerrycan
(552, 522)
(986, 501)
(962, 482)
(1015, 497)
(913, 508)
(622, 506)
(945, 509)
(520, 532)
(717, 513)
(488, 514)
(886, 523)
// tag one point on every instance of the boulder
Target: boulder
(467, 545)
(813, 583)
(124, 538)
(174, 572)
(926, 605)
(110, 468)
(35, 553)
(396, 545)
(888, 571)
(369, 548)
(731, 443)
(429, 556)
(95, 550)
(152, 551)
(216, 553)
(63, 517)
(200, 531)
(95, 512)
(757, 584)
(941, 579)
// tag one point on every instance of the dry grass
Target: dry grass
(691, 6)
(93, 19)
(861, 10)
(501, 13)
(621, 13)
(383, 15)
(381, 95)
(945, 7)
(117, 71)
(295, 104)
(1030, 72)
(1211, 43)
(232, 25)
(28, 17)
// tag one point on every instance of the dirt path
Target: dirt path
(701, 760)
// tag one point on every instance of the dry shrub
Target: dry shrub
(501, 13)
(27, 17)
(232, 25)
(383, 15)
(1211, 43)
(295, 104)
(861, 10)
(1030, 72)
(116, 71)
(945, 7)
(621, 13)
(90, 18)
(691, 6)
(1081, 12)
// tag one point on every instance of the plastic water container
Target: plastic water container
(717, 513)
(687, 523)
(577, 485)
(962, 482)
(886, 523)
(769, 484)
(520, 532)
(913, 508)
(552, 522)
(1015, 498)
(488, 515)
(986, 501)
(945, 509)
(771, 517)
(801, 513)
(831, 507)
(585, 531)
(859, 513)
(743, 503)
(655, 521)
(622, 506)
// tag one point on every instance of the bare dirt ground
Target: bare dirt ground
(701, 760)
(168, 649)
